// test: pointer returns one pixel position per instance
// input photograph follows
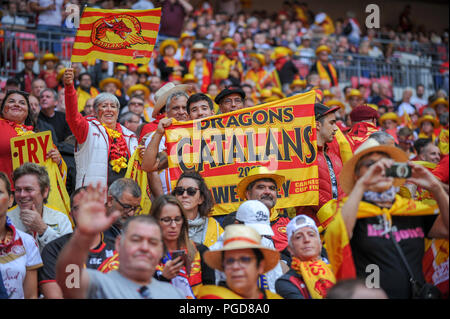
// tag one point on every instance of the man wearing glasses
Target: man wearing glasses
(230, 99)
(124, 195)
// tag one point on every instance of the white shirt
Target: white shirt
(50, 17)
(405, 107)
(164, 174)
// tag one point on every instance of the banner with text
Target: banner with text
(280, 135)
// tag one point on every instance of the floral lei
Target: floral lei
(19, 128)
(118, 150)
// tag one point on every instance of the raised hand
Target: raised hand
(422, 177)
(92, 217)
(54, 155)
(68, 77)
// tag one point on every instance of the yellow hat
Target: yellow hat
(121, 67)
(259, 57)
(189, 77)
(327, 93)
(29, 56)
(138, 87)
(280, 52)
(103, 82)
(438, 101)
(428, 118)
(143, 69)
(278, 93)
(185, 35)
(256, 173)
(265, 93)
(374, 106)
(271, 99)
(49, 57)
(166, 43)
(323, 47)
(298, 82)
(335, 102)
(60, 74)
(228, 41)
(354, 92)
(389, 116)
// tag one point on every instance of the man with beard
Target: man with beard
(329, 163)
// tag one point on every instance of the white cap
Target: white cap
(299, 222)
(255, 214)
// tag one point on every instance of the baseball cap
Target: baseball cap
(320, 110)
(256, 215)
(298, 222)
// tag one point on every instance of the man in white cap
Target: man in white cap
(256, 215)
(243, 259)
(309, 276)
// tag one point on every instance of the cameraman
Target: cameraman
(373, 212)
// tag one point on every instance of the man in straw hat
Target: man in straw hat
(373, 215)
(328, 161)
(26, 76)
(200, 66)
(49, 74)
(243, 259)
(309, 276)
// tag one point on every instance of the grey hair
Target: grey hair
(103, 97)
(175, 95)
(53, 92)
(126, 117)
(119, 186)
(382, 137)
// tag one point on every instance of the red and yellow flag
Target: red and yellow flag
(280, 135)
(125, 36)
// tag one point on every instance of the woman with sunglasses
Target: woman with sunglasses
(194, 195)
(19, 253)
(182, 263)
(16, 120)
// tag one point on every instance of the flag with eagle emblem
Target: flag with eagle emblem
(125, 36)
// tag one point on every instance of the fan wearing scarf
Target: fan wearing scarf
(310, 277)
(373, 215)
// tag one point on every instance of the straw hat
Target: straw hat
(198, 46)
(323, 47)
(327, 93)
(280, 52)
(438, 101)
(298, 82)
(259, 57)
(276, 91)
(103, 82)
(29, 56)
(428, 118)
(331, 103)
(389, 116)
(189, 77)
(121, 67)
(347, 176)
(138, 87)
(163, 93)
(374, 106)
(256, 173)
(265, 93)
(166, 43)
(49, 57)
(237, 237)
(228, 41)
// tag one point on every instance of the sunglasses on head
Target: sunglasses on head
(191, 191)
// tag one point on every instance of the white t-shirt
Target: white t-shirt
(50, 17)
(15, 260)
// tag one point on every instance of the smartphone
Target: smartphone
(399, 170)
(178, 253)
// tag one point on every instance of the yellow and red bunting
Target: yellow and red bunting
(125, 36)
(280, 135)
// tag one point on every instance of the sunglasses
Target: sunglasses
(179, 191)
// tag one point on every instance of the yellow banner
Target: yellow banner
(33, 148)
(280, 135)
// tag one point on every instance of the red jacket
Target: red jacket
(326, 189)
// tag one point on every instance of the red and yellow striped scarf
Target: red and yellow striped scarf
(205, 73)
(171, 62)
(323, 74)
